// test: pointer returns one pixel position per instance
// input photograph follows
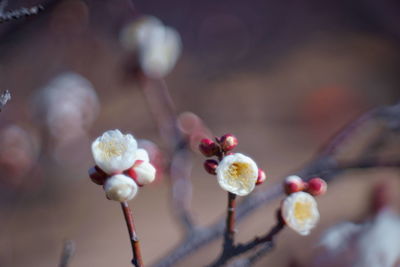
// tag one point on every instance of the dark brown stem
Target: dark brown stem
(230, 222)
(137, 260)
(267, 239)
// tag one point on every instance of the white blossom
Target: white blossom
(237, 174)
(157, 45)
(114, 151)
(300, 212)
(120, 188)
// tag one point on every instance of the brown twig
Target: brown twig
(236, 250)
(137, 260)
(230, 222)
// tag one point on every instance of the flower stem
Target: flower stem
(230, 221)
(137, 256)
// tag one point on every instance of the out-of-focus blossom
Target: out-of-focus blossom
(68, 105)
(370, 244)
(300, 212)
(237, 174)
(115, 152)
(157, 46)
(18, 154)
(120, 188)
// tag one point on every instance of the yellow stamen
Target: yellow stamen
(238, 174)
(302, 211)
(112, 148)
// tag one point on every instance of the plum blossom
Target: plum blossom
(237, 174)
(114, 152)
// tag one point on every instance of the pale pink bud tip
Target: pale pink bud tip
(208, 147)
(210, 166)
(293, 184)
(228, 142)
(316, 186)
(261, 177)
(97, 175)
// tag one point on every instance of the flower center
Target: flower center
(112, 148)
(302, 211)
(239, 174)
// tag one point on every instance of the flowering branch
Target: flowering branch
(137, 260)
(323, 165)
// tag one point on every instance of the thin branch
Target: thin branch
(267, 240)
(163, 110)
(67, 252)
(230, 223)
(137, 260)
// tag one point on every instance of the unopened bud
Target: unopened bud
(228, 142)
(316, 186)
(142, 172)
(208, 147)
(261, 177)
(293, 184)
(120, 188)
(97, 175)
(210, 166)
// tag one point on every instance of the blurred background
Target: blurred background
(283, 76)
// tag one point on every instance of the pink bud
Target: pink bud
(97, 175)
(210, 165)
(293, 184)
(261, 177)
(316, 186)
(228, 142)
(208, 147)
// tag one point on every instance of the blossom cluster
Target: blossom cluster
(121, 167)
(299, 209)
(236, 173)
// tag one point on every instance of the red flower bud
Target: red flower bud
(211, 165)
(261, 177)
(97, 175)
(228, 142)
(316, 186)
(293, 184)
(208, 147)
